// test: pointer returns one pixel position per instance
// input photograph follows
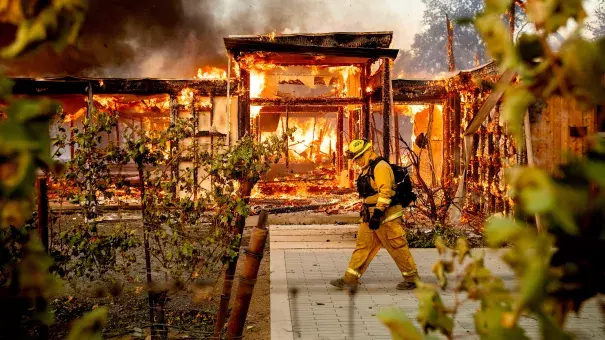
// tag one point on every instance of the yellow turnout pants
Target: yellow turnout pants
(391, 236)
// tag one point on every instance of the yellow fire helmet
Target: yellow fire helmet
(357, 148)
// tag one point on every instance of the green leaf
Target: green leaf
(489, 325)
(554, 14)
(500, 230)
(440, 245)
(400, 326)
(550, 330)
(595, 171)
(516, 102)
(431, 311)
(90, 326)
(462, 248)
(583, 67)
(60, 22)
(6, 86)
(439, 271)
(496, 35)
(529, 47)
(497, 6)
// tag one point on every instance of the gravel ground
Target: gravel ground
(189, 315)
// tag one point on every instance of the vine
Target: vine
(556, 270)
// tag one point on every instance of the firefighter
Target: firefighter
(381, 220)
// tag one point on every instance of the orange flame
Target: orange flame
(257, 83)
(186, 96)
(314, 140)
(208, 72)
(345, 72)
(74, 116)
(255, 111)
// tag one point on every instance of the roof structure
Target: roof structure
(336, 39)
(72, 85)
(314, 49)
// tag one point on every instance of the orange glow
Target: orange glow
(75, 116)
(208, 72)
(186, 96)
(107, 102)
(345, 72)
(411, 111)
(272, 36)
(255, 111)
(257, 83)
(313, 141)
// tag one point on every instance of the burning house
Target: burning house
(333, 88)
(319, 84)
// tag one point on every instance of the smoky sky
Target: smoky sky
(171, 39)
(132, 38)
(156, 38)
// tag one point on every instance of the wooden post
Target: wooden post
(43, 211)
(386, 108)
(429, 149)
(174, 144)
(118, 133)
(456, 134)
(366, 72)
(72, 146)
(92, 212)
(196, 123)
(247, 280)
(396, 131)
(511, 20)
(531, 159)
(240, 222)
(450, 44)
(351, 138)
(447, 141)
(287, 140)
(210, 128)
(146, 247)
(244, 103)
(339, 140)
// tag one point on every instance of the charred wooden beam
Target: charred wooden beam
(339, 39)
(396, 132)
(240, 46)
(365, 109)
(450, 44)
(447, 140)
(287, 151)
(511, 20)
(243, 113)
(174, 143)
(70, 85)
(339, 140)
(301, 109)
(386, 108)
(305, 101)
(456, 129)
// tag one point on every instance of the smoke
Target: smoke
(171, 39)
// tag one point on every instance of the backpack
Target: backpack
(404, 193)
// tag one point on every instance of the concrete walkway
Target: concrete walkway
(305, 306)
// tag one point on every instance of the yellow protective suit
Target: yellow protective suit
(390, 234)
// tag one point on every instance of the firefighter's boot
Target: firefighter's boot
(347, 281)
(409, 282)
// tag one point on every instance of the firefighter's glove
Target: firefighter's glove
(376, 219)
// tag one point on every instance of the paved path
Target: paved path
(305, 306)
